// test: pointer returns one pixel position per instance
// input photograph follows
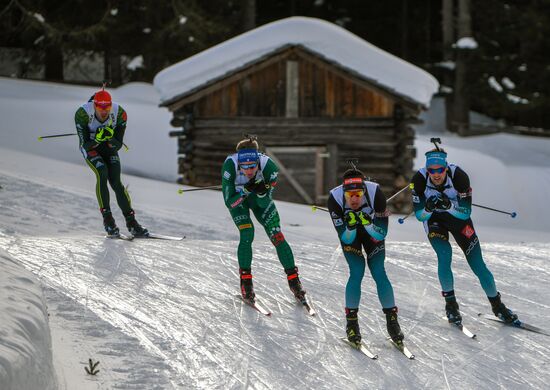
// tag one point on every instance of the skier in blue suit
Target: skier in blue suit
(358, 212)
(442, 199)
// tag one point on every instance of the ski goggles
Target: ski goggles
(250, 165)
(103, 106)
(354, 193)
(431, 171)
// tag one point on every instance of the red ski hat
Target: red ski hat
(102, 99)
(353, 180)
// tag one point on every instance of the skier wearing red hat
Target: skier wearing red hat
(100, 125)
(358, 211)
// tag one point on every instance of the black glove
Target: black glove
(443, 203)
(114, 144)
(257, 186)
(351, 220)
(431, 203)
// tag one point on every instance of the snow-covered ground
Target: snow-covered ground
(163, 315)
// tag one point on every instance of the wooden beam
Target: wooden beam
(320, 156)
(292, 89)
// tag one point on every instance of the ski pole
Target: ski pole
(55, 136)
(512, 214)
(181, 191)
(314, 208)
(69, 134)
(402, 220)
(397, 193)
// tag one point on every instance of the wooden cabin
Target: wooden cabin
(310, 113)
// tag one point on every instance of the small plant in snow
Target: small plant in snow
(91, 369)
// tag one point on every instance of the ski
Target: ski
(517, 324)
(255, 305)
(361, 348)
(306, 305)
(402, 348)
(462, 328)
(120, 236)
(161, 237)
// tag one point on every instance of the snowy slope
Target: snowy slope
(163, 315)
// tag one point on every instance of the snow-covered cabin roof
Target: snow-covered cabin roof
(325, 39)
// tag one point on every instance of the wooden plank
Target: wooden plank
(287, 136)
(347, 98)
(294, 149)
(320, 157)
(308, 108)
(361, 102)
(233, 96)
(225, 103)
(329, 94)
(332, 165)
(292, 89)
(360, 133)
(318, 91)
(282, 122)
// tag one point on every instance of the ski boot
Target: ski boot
(295, 284)
(392, 325)
(352, 326)
(451, 307)
(247, 288)
(134, 227)
(501, 311)
(109, 224)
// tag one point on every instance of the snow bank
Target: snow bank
(25, 344)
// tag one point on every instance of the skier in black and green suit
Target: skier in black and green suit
(248, 182)
(100, 125)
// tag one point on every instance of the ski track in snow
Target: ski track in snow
(174, 306)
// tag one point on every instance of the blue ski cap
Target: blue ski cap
(246, 156)
(436, 157)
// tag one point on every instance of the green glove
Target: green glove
(365, 219)
(351, 220)
(104, 133)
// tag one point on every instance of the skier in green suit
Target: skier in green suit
(248, 182)
(100, 125)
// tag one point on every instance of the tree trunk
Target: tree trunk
(461, 105)
(116, 70)
(249, 15)
(404, 30)
(448, 55)
(292, 7)
(112, 67)
(53, 63)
